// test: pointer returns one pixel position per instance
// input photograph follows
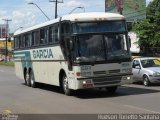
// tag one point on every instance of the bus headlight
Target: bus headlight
(84, 82)
(127, 78)
(87, 84)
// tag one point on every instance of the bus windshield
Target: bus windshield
(96, 27)
(96, 47)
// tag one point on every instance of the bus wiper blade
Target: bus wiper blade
(82, 59)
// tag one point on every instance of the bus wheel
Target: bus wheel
(112, 89)
(66, 89)
(28, 82)
(25, 81)
(32, 81)
(24, 73)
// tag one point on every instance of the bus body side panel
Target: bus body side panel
(47, 72)
(47, 69)
(19, 70)
(45, 63)
(20, 58)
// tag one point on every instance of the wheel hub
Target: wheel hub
(65, 83)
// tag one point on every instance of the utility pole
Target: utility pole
(6, 49)
(56, 3)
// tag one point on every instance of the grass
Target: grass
(7, 63)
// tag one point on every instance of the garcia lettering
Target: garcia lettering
(41, 54)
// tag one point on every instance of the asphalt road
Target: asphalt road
(46, 99)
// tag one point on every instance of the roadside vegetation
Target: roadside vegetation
(7, 63)
(149, 29)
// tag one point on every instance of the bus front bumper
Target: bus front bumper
(105, 81)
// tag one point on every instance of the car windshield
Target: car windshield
(93, 47)
(150, 63)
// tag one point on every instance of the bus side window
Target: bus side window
(65, 28)
(44, 36)
(65, 33)
(35, 38)
(16, 42)
(28, 40)
(22, 42)
(53, 34)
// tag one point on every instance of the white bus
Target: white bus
(76, 51)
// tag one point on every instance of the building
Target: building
(3, 34)
(2, 31)
(3, 44)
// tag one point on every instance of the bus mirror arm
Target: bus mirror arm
(71, 44)
(69, 56)
(129, 41)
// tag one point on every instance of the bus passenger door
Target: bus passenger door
(67, 43)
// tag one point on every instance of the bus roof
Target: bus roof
(78, 17)
(93, 16)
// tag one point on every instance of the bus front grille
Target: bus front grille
(96, 73)
(114, 71)
(99, 73)
(107, 80)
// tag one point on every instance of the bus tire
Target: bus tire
(32, 81)
(65, 86)
(27, 80)
(24, 74)
(112, 89)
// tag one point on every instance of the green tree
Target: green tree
(149, 29)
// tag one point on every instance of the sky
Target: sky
(25, 15)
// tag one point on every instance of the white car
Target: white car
(146, 70)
